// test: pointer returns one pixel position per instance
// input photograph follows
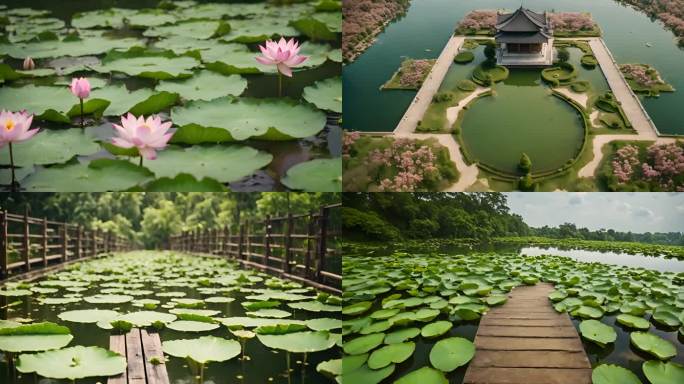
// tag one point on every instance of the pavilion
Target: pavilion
(524, 38)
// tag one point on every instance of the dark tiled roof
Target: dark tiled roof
(522, 37)
(522, 20)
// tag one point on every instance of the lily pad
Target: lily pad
(88, 315)
(142, 101)
(325, 94)
(655, 345)
(392, 353)
(597, 332)
(106, 18)
(203, 349)
(49, 147)
(633, 321)
(108, 299)
(366, 375)
(196, 29)
(222, 163)
(319, 175)
(425, 375)
(613, 374)
(658, 372)
(143, 63)
(299, 342)
(324, 324)
(401, 335)
(269, 312)
(363, 344)
(73, 363)
(267, 119)
(315, 306)
(146, 318)
(435, 329)
(88, 43)
(34, 337)
(258, 30)
(191, 326)
(49, 103)
(205, 85)
(451, 353)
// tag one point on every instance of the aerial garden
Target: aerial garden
(215, 319)
(412, 309)
(171, 95)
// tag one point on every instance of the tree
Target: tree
(526, 184)
(490, 52)
(563, 55)
(525, 164)
(159, 223)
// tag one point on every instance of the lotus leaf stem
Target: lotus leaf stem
(82, 124)
(280, 84)
(12, 185)
(287, 358)
(141, 161)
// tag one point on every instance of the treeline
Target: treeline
(393, 216)
(149, 218)
(571, 231)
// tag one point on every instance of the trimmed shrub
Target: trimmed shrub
(464, 57)
(525, 164)
(589, 61)
(466, 85)
(490, 52)
(442, 97)
(526, 184)
(580, 86)
(563, 55)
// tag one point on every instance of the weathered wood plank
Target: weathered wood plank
(536, 316)
(517, 331)
(117, 343)
(530, 359)
(156, 373)
(134, 355)
(527, 375)
(559, 322)
(527, 344)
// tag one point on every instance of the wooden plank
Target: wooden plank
(528, 344)
(517, 331)
(134, 355)
(530, 359)
(536, 316)
(527, 375)
(156, 374)
(557, 322)
(117, 343)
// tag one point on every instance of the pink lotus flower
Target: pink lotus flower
(80, 87)
(14, 127)
(147, 135)
(29, 65)
(284, 55)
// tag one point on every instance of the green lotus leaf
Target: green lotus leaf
(613, 374)
(194, 134)
(222, 163)
(315, 306)
(656, 346)
(324, 324)
(557, 295)
(60, 300)
(357, 308)
(146, 18)
(204, 349)
(319, 175)
(269, 312)
(658, 372)
(184, 44)
(146, 318)
(142, 101)
(50, 147)
(190, 311)
(383, 314)
(88, 315)
(205, 85)
(378, 326)
(267, 119)
(299, 342)
(252, 322)
(314, 28)
(426, 314)
(392, 353)
(196, 29)
(34, 337)
(88, 43)
(325, 94)
(48, 103)
(254, 305)
(366, 375)
(229, 59)
(191, 326)
(184, 182)
(330, 367)
(257, 30)
(435, 329)
(73, 363)
(451, 353)
(219, 299)
(279, 329)
(41, 72)
(587, 312)
(597, 332)
(666, 317)
(633, 321)
(15, 292)
(425, 375)
(363, 344)
(143, 63)
(108, 299)
(107, 18)
(494, 300)
(401, 335)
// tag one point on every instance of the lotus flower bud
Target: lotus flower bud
(29, 65)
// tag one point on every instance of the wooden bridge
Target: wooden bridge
(139, 347)
(526, 341)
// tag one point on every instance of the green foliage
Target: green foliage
(525, 164)
(490, 52)
(443, 97)
(466, 85)
(526, 183)
(589, 61)
(563, 54)
(464, 57)
(368, 225)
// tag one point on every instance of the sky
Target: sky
(636, 212)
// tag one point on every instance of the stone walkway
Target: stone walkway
(430, 86)
(452, 113)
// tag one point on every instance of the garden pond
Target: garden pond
(192, 62)
(626, 32)
(425, 300)
(194, 297)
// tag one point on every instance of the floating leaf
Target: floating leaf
(393, 353)
(319, 175)
(401, 335)
(204, 349)
(451, 353)
(357, 308)
(191, 326)
(49, 147)
(34, 337)
(613, 374)
(143, 63)
(108, 299)
(363, 344)
(184, 182)
(656, 346)
(73, 363)
(366, 375)
(196, 29)
(325, 94)
(205, 85)
(425, 375)
(597, 332)
(299, 342)
(435, 329)
(88, 315)
(658, 372)
(633, 321)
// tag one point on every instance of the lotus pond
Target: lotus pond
(237, 123)
(208, 312)
(404, 310)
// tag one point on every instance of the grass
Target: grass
(434, 120)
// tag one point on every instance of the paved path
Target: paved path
(589, 170)
(527, 341)
(430, 86)
(452, 113)
(467, 173)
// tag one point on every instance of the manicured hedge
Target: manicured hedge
(589, 61)
(464, 57)
(466, 85)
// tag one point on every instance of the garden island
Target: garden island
(517, 99)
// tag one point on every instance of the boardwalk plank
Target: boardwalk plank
(117, 343)
(136, 367)
(156, 374)
(559, 322)
(528, 344)
(530, 359)
(528, 375)
(517, 331)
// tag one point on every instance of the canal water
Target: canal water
(428, 24)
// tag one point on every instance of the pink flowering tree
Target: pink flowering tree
(408, 164)
(662, 167)
(477, 21)
(571, 21)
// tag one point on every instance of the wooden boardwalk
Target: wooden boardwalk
(139, 346)
(526, 341)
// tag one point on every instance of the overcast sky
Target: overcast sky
(636, 212)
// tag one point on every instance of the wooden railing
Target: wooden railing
(28, 243)
(303, 247)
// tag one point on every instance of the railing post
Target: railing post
(309, 244)
(5, 244)
(65, 242)
(267, 240)
(241, 239)
(94, 245)
(288, 244)
(78, 242)
(45, 242)
(225, 248)
(26, 241)
(322, 243)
